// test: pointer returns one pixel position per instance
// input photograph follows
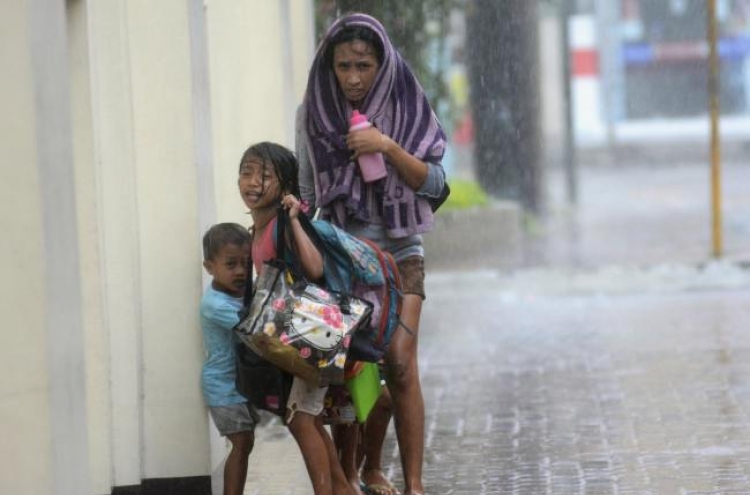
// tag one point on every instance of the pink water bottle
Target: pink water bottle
(371, 165)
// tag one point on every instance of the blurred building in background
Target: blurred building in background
(664, 54)
(640, 69)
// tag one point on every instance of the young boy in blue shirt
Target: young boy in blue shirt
(226, 252)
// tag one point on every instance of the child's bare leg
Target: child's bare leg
(314, 451)
(235, 467)
(346, 438)
(339, 480)
(371, 447)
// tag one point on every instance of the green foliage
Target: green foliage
(464, 194)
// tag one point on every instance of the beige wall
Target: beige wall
(165, 189)
(257, 78)
(87, 219)
(257, 81)
(24, 398)
(117, 240)
(106, 391)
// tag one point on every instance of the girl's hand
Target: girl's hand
(366, 141)
(311, 260)
(291, 203)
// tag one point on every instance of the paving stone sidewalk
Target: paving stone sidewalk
(589, 394)
(596, 393)
(615, 360)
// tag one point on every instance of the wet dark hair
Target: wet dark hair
(281, 159)
(223, 234)
(352, 33)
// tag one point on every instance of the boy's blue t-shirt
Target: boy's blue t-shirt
(218, 316)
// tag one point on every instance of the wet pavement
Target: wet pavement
(534, 392)
(616, 360)
(640, 215)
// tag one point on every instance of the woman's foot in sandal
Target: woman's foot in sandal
(417, 491)
(374, 482)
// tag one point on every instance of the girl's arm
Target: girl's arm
(309, 256)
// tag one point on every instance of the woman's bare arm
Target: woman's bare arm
(413, 170)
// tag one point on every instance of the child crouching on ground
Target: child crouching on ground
(226, 249)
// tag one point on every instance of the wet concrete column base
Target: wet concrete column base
(489, 236)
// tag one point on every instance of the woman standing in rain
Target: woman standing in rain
(357, 68)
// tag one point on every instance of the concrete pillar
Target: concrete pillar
(108, 176)
(173, 422)
(552, 99)
(43, 401)
(148, 202)
(588, 117)
(26, 447)
(95, 337)
(119, 236)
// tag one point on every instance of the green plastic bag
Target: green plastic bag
(363, 383)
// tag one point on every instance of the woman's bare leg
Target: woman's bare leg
(406, 392)
(370, 453)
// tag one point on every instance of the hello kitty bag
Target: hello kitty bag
(301, 327)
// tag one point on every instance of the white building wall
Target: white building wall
(255, 87)
(254, 93)
(165, 182)
(118, 241)
(96, 340)
(303, 44)
(48, 394)
(24, 390)
(102, 243)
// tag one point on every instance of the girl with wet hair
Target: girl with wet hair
(268, 179)
(281, 162)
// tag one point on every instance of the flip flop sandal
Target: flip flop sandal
(378, 489)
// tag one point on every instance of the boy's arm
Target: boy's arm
(221, 314)
(309, 256)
